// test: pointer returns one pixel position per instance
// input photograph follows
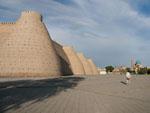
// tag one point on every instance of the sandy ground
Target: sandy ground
(75, 94)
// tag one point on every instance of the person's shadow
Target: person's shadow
(123, 82)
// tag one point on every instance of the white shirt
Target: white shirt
(128, 75)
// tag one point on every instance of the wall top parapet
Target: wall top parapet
(24, 14)
(6, 23)
(31, 13)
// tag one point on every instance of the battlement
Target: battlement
(6, 26)
(26, 16)
(7, 23)
(30, 15)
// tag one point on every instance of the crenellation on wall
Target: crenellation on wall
(29, 16)
(7, 23)
(6, 28)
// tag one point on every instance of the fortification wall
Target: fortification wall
(76, 65)
(6, 28)
(93, 66)
(91, 71)
(86, 65)
(28, 50)
(65, 64)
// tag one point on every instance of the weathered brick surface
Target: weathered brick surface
(76, 65)
(93, 66)
(65, 64)
(86, 65)
(26, 48)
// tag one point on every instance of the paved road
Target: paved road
(84, 94)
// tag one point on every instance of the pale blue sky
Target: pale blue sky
(108, 31)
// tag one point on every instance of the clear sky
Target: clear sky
(108, 31)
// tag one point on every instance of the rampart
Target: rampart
(86, 65)
(26, 48)
(93, 66)
(65, 64)
(76, 65)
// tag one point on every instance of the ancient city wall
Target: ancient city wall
(65, 64)
(5, 29)
(27, 50)
(86, 65)
(93, 66)
(76, 65)
(91, 71)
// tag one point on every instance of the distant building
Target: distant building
(102, 71)
(119, 70)
(137, 66)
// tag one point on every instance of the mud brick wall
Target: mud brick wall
(26, 48)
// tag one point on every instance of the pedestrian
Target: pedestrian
(128, 77)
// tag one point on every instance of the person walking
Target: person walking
(128, 77)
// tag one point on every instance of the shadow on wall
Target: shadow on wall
(13, 94)
(64, 61)
(65, 69)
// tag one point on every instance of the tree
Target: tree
(142, 70)
(128, 69)
(109, 68)
(148, 70)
